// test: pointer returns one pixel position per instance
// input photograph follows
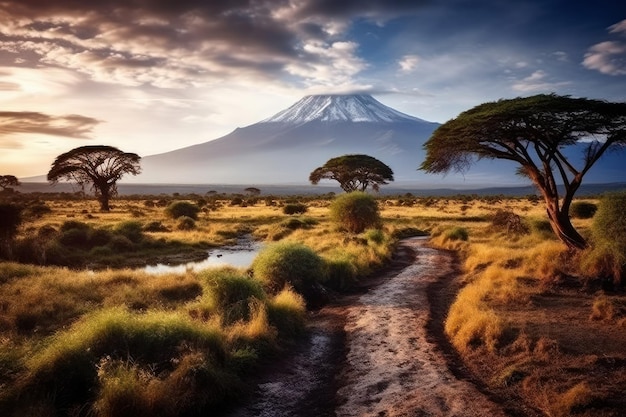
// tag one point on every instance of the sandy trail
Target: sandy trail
(392, 368)
(372, 356)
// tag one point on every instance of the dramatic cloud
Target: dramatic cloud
(608, 57)
(70, 126)
(187, 42)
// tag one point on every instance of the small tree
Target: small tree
(8, 181)
(355, 211)
(532, 132)
(253, 191)
(98, 165)
(354, 172)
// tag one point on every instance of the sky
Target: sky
(150, 76)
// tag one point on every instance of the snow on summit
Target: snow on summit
(346, 108)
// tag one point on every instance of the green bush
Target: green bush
(10, 221)
(73, 224)
(288, 263)
(132, 230)
(186, 223)
(582, 210)
(607, 256)
(231, 293)
(296, 208)
(376, 236)
(155, 226)
(341, 274)
(355, 211)
(456, 233)
(182, 208)
(78, 238)
(119, 243)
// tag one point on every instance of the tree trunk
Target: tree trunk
(104, 196)
(562, 227)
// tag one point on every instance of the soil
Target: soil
(380, 352)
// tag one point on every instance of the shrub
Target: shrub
(355, 211)
(509, 221)
(78, 238)
(155, 226)
(132, 230)
(456, 233)
(607, 257)
(296, 208)
(341, 274)
(375, 235)
(182, 208)
(73, 224)
(231, 293)
(582, 210)
(99, 237)
(186, 223)
(121, 243)
(288, 263)
(286, 311)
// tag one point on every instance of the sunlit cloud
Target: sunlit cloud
(20, 123)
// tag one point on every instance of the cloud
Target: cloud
(608, 57)
(70, 126)
(537, 82)
(408, 63)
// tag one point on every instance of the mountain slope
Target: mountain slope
(287, 147)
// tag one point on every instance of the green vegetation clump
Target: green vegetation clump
(186, 223)
(182, 208)
(355, 211)
(289, 264)
(296, 208)
(582, 210)
(606, 258)
(456, 233)
(230, 293)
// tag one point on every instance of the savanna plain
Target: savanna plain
(85, 331)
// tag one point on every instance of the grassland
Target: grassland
(113, 342)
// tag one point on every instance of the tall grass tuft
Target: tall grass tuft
(230, 294)
(355, 211)
(289, 263)
(286, 311)
(66, 368)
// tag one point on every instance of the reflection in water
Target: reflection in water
(239, 256)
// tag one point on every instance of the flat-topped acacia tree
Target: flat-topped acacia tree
(99, 165)
(353, 172)
(533, 132)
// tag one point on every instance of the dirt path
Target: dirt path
(372, 355)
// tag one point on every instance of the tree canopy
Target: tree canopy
(99, 165)
(533, 132)
(8, 181)
(354, 172)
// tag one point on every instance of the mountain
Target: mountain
(287, 147)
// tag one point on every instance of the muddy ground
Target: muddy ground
(379, 352)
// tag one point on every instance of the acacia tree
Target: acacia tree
(99, 165)
(354, 172)
(533, 132)
(7, 181)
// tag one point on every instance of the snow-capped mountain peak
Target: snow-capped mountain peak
(331, 108)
